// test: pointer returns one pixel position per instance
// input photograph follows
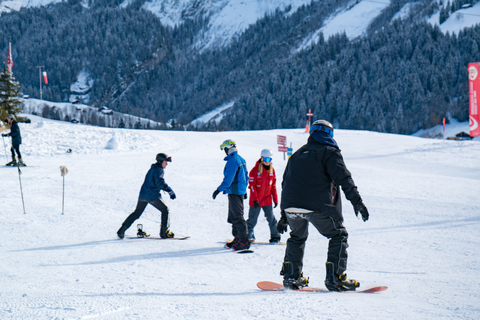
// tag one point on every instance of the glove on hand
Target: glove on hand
(360, 207)
(245, 196)
(171, 193)
(215, 194)
(256, 204)
(275, 205)
(4, 134)
(282, 223)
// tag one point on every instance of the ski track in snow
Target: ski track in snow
(421, 240)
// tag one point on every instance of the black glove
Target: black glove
(171, 193)
(275, 205)
(4, 135)
(360, 207)
(245, 196)
(282, 223)
(215, 194)
(256, 204)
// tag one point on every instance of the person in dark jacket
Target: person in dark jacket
(16, 140)
(310, 193)
(235, 181)
(150, 194)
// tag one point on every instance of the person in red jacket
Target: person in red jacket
(263, 189)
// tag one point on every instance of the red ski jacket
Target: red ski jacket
(263, 186)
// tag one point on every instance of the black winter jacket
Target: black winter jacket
(312, 177)
(15, 133)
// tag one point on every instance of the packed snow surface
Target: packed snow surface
(421, 241)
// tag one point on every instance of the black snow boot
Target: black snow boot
(166, 233)
(289, 280)
(335, 282)
(241, 245)
(121, 232)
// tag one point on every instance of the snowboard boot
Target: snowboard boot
(335, 282)
(252, 236)
(20, 162)
(121, 232)
(229, 245)
(274, 240)
(140, 232)
(289, 280)
(12, 163)
(166, 233)
(241, 245)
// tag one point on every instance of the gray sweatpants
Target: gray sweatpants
(253, 214)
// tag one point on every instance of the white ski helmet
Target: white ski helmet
(266, 153)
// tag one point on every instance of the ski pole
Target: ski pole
(5, 148)
(21, 189)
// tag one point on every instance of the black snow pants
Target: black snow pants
(141, 205)
(236, 218)
(16, 148)
(328, 227)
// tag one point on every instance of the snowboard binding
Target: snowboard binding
(140, 232)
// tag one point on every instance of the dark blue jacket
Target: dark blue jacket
(235, 174)
(15, 133)
(154, 182)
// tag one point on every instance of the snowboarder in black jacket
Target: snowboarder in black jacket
(310, 194)
(150, 194)
(16, 141)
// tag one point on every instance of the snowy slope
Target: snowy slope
(422, 239)
(459, 20)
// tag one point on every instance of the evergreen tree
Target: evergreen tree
(9, 94)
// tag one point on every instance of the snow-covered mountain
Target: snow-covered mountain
(229, 18)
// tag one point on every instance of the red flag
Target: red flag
(45, 77)
(474, 91)
(9, 61)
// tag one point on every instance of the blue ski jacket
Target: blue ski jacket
(153, 184)
(235, 174)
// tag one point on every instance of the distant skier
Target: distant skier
(16, 141)
(263, 189)
(150, 194)
(235, 185)
(310, 194)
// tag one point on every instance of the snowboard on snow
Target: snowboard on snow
(15, 165)
(159, 238)
(271, 244)
(273, 286)
(143, 235)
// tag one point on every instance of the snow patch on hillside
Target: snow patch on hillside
(459, 20)
(80, 90)
(214, 115)
(353, 20)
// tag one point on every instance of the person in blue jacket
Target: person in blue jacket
(16, 141)
(150, 194)
(234, 184)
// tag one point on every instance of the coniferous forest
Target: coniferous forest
(404, 75)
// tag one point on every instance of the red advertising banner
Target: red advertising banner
(473, 92)
(281, 140)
